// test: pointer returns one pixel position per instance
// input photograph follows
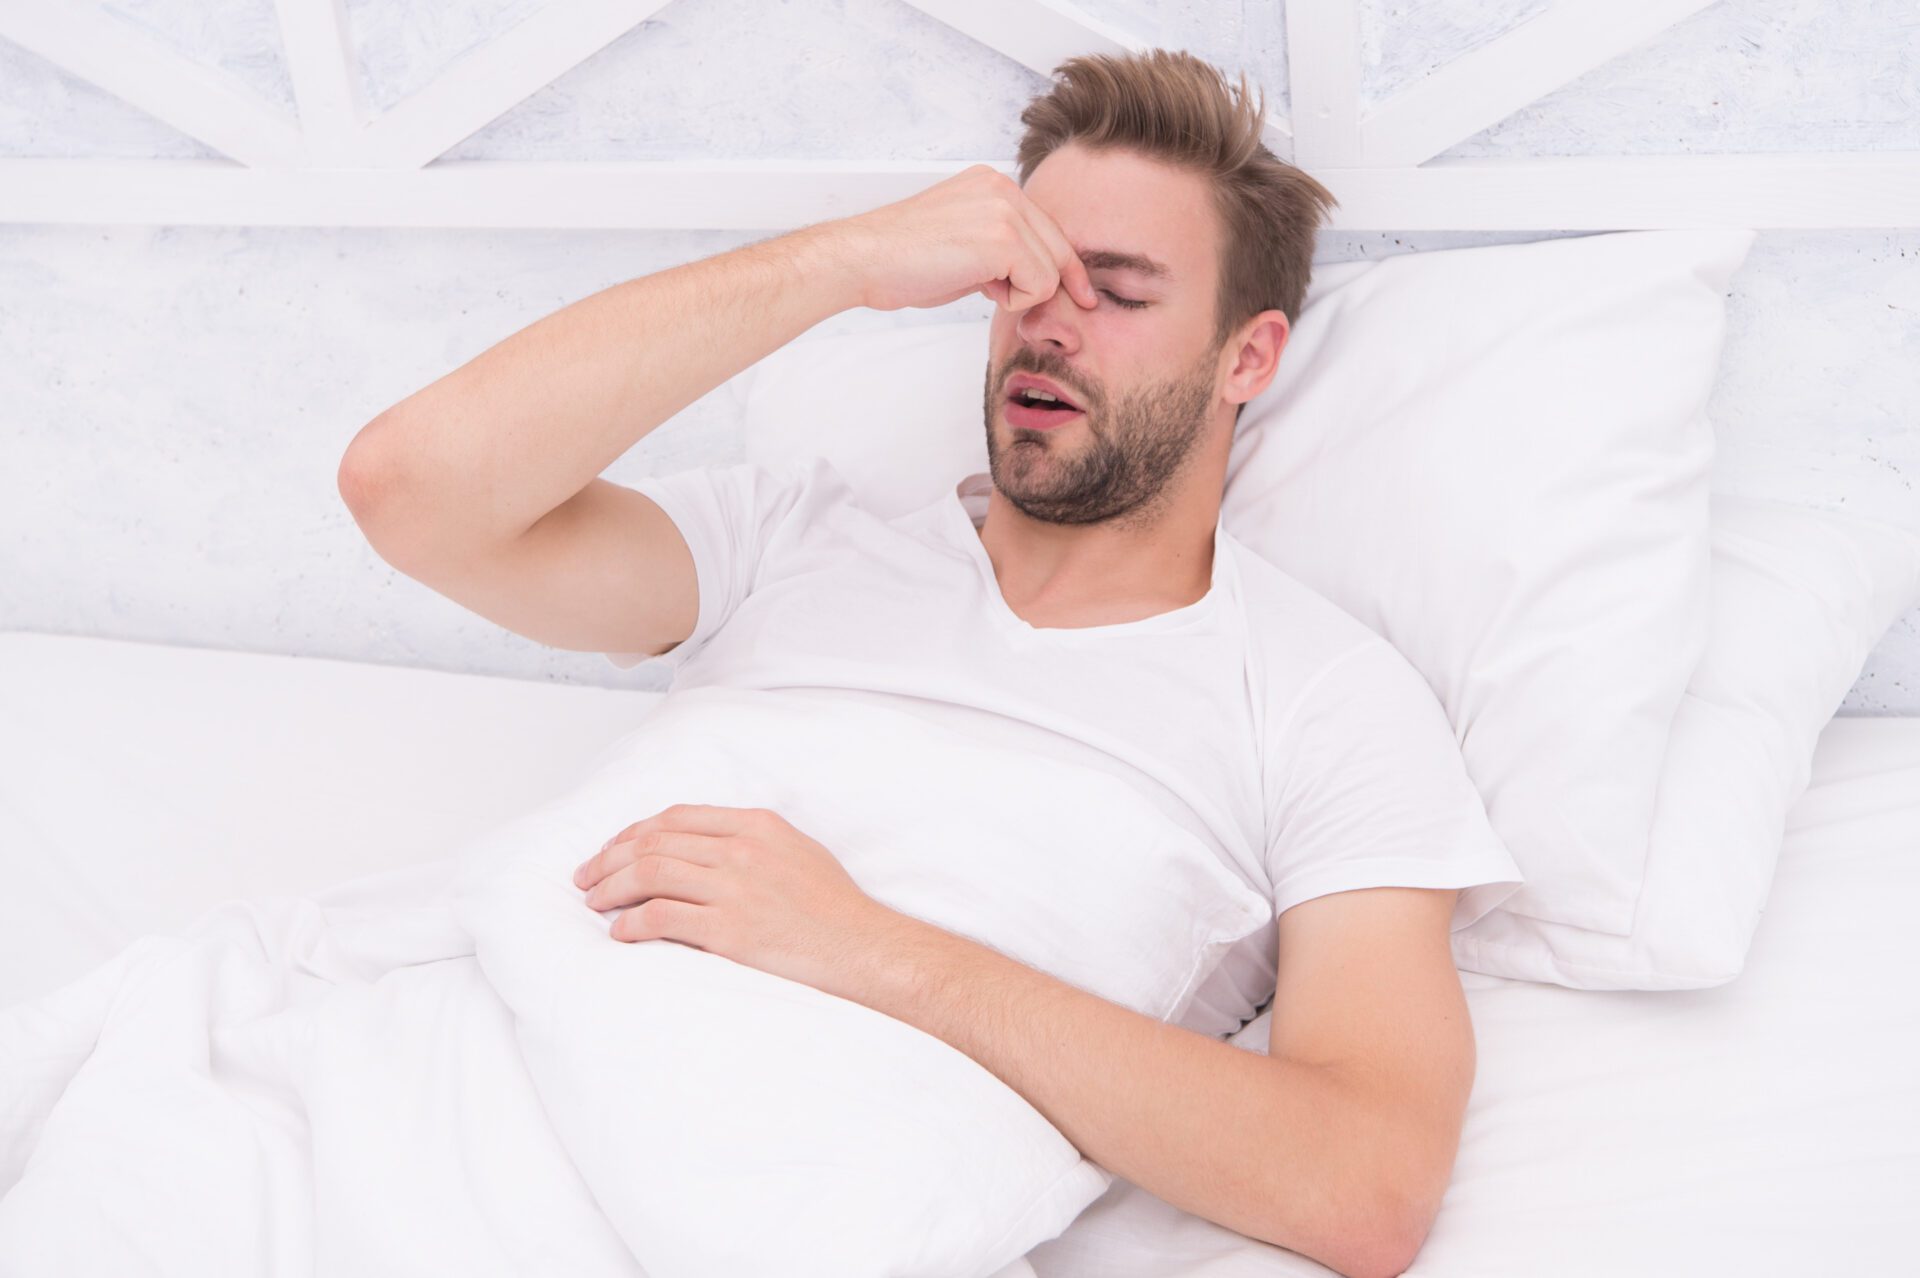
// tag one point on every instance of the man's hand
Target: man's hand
(973, 232)
(744, 883)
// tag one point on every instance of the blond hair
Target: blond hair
(1171, 106)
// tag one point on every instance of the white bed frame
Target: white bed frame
(337, 164)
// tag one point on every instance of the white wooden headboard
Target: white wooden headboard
(335, 163)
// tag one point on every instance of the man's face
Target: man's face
(1146, 377)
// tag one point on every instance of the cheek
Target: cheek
(1130, 344)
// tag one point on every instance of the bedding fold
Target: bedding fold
(454, 1068)
(288, 1087)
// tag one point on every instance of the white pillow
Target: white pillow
(793, 408)
(1496, 457)
(863, 1146)
(1800, 598)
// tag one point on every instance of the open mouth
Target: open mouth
(1039, 415)
(1036, 409)
(1042, 401)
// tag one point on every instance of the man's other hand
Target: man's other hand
(744, 883)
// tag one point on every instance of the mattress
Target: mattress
(1769, 1126)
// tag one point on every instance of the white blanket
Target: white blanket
(325, 1086)
(404, 1074)
(292, 1086)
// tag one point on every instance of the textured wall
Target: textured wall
(174, 401)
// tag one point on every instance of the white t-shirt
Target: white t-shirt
(1297, 743)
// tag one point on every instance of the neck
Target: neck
(1152, 560)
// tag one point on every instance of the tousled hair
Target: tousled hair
(1171, 106)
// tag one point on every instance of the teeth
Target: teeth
(1040, 394)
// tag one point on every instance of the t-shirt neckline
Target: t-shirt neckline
(975, 488)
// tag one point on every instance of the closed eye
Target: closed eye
(1126, 302)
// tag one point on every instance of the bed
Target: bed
(1768, 1126)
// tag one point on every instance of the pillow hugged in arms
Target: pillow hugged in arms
(734, 1122)
(1498, 458)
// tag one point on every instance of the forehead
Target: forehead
(1114, 205)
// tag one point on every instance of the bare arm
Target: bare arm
(489, 449)
(1277, 1149)
(483, 485)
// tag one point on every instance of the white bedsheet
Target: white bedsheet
(1769, 1126)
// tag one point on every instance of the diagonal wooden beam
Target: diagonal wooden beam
(321, 62)
(1041, 34)
(1481, 88)
(1038, 34)
(1323, 73)
(499, 75)
(200, 101)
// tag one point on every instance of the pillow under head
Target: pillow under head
(1498, 458)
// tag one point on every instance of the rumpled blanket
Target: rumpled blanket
(451, 1068)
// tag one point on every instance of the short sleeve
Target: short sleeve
(737, 520)
(1366, 787)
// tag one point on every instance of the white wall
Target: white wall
(174, 401)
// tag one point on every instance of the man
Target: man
(1146, 269)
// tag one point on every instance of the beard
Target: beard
(1116, 460)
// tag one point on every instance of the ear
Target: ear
(1257, 345)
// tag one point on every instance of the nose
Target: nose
(1055, 322)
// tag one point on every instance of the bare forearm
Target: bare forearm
(1270, 1148)
(490, 448)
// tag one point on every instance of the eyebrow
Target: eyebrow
(1115, 260)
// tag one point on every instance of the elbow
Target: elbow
(357, 476)
(1381, 1241)
(369, 488)
(356, 483)
(367, 476)
(1389, 1239)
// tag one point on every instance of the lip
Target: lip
(1029, 381)
(1040, 418)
